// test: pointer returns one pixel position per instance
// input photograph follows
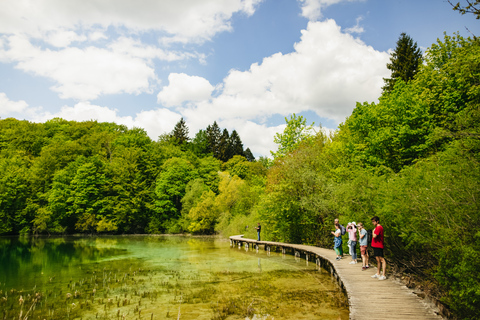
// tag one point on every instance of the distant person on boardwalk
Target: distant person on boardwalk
(259, 228)
(378, 246)
(342, 230)
(337, 241)
(363, 246)
(352, 237)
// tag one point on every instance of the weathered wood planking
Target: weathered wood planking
(368, 298)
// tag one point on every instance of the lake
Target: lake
(159, 277)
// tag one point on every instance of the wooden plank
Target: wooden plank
(368, 298)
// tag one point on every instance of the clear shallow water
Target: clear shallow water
(159, 277)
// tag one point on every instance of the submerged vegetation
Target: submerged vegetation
(412, 159)
(169, 280)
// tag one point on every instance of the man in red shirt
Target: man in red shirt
(378, 245)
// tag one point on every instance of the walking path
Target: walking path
(368, 298)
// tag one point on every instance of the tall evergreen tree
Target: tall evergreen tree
(213, 138)
(404, 62)
(236, 144)
(249, 155)
(225, 147)
(180, 132)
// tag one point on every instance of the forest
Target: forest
(412, 159)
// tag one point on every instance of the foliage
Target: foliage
(180, 132)
(294, 133)
(404, 63)
(471, 7)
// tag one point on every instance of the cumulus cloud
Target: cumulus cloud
(91, 48)
(328, 73)
(155, 122)
(312, 9)
(86, 73)
(356, 28)
(182, 88)
(189, 20)
(9, 108)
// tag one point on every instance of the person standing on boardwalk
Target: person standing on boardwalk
(337, 241)
(363, 246)
(352, 237)
(259, 228)
(342, 232)
(378, 246)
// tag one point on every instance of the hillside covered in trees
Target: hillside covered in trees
(412, 159)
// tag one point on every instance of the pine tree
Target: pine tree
(180, 132)
(224, 147)
(404, 62)
(213, 139)
(236, 144)
(249, 155)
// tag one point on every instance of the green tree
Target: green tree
(204, 215)
(249, 155)
(87, 195)
(404, 63)
(14, 194)
(213, 139)
(169, 190)
(295, 132)
(225, 151)
(236, 144)
(180, 132)
(199, 144)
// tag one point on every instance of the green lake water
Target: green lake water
(159, 277)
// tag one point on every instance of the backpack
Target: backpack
(342, 230)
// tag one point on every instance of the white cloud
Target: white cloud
(356, 28)
(86, 73)
(9, 108)
(155, 122)
(190, 20)
(60, 40)
(328, 73)
(184, 88)
(312, 9)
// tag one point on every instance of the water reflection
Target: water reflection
(156, 277)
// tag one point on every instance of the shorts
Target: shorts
(378, 252)
(363, 250)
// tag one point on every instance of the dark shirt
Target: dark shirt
(259, 228)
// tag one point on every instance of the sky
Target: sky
(247, 64)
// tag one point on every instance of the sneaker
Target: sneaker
(375, 276)
(382, 278)
(367, 267)
(337, 258)
(353, 262)
(364, 268)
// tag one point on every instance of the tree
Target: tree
(295, 132)
(249, 155)
(170, 189)
(236, 144)
(224, 146)
(404, 62)
(199, 144)
(471, 7)
(213, 139)
(180, 132)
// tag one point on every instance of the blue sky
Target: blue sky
(246, 64)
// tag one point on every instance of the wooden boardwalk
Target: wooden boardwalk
(368, 298)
